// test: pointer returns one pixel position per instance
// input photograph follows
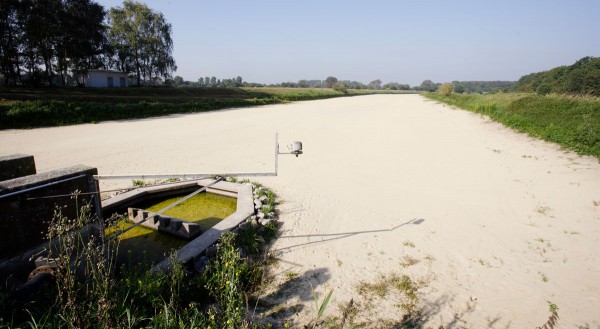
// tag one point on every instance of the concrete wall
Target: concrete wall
(16, 165)
(24, 214)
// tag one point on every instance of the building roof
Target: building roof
(106, 71)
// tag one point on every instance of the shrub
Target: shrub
(340, 86)
(446, 89)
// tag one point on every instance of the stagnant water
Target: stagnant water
(143, 246)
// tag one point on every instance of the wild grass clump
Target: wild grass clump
(571, 121)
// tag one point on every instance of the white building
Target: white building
(106, 79)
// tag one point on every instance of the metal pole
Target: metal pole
(276, 153)
(201, 176)
(181, 176)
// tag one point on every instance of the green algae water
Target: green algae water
(205, 209)
(144, 247)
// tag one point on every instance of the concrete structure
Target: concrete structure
(106, 79)
(27, 204)
(166, 224)
(16, 165)
(193, 250)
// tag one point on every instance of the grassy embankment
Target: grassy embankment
(571, 121)
(30, 108)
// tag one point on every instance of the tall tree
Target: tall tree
(10, 40)
(330, 81)
(142, 40)
(39, 44)
(82, 39)
(428, 85)
(375, 84)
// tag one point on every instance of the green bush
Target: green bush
(581, 78)
(340, 86)
(446, 89)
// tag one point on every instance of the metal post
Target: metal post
(276, 153)
(201, 176)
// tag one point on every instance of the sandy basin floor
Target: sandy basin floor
(494, 223)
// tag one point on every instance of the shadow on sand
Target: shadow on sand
(341, 235)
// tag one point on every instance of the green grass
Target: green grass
(571, 121)
(46, 107)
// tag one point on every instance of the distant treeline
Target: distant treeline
(470, 87)
(583, 77)
(480, 87)
(329, 82)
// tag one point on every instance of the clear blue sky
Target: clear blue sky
(400, 41)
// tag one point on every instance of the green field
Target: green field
(571, 121)
(30, 108)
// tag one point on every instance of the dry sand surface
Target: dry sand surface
(491, 224)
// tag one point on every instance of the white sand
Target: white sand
(507, 222)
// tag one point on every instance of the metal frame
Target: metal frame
(203, 176)
(41, 186)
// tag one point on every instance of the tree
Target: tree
(428, 85)
(583, 77)
(142, 40)
(459, 89)
(82, 40)
(39, 38)
(330, 81)
(375, 84)
(178, 81)
(302, 84)
(10, 40)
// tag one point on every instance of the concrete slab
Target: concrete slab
(16, 165)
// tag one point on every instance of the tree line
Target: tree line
(54, 42)
(583, 77)
(480, 87)
(329, 82)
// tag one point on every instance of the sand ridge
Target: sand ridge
(491, 222)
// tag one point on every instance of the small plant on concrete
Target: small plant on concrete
(139, 183)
